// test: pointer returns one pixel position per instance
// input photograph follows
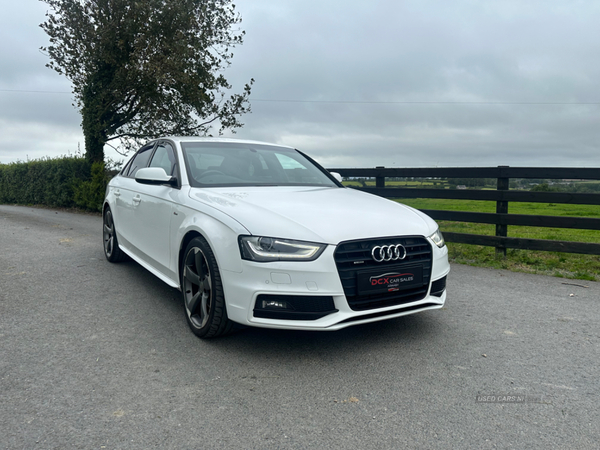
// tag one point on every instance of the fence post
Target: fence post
(380, 180)
(502, 208)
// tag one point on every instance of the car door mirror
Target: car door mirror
(337, 176)
(155, 176)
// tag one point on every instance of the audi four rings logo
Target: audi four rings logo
(382, 253)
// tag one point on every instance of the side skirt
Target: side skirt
(151, 269)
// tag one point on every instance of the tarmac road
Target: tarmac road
(96, 355)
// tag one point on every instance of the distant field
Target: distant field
(567, 265)
(571, 186)
(441, 184)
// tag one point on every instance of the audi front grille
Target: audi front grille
(354, 258)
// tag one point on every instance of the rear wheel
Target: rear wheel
(111, 246)
(202, 289)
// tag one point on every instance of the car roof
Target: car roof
(219, 139)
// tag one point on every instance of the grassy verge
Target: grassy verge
(566, 265)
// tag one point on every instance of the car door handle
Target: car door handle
(117, 193)
(137, 200)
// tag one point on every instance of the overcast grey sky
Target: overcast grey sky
(362, 84)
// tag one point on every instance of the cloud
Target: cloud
(528, 69)
(22, 141)
(487, 52)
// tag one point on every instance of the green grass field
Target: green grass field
(412, 184)
(567, 265)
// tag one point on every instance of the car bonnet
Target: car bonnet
(326, 215)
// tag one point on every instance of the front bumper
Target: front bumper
(319, 278)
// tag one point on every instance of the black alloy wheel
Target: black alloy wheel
(111, 246)
(202, 289)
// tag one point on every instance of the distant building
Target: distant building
(461, 186)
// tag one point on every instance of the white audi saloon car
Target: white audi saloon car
(261, 235)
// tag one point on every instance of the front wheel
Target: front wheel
(203, 296)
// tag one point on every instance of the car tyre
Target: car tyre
(112, 251)
(203, 297)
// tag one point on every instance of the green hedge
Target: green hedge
(68, 181)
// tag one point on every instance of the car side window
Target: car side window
(164, 157)
(126, 168)
(140, 160)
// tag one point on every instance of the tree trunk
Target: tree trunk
(95, 135)
(94, 148)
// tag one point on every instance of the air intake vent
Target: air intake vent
(438, 287)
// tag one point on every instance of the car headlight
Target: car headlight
(265, 249)
(438, 238)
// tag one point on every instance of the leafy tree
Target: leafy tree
(145, 68)
(543, 187)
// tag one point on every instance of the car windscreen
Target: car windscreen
(212, 164)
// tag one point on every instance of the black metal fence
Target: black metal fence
(502, 196)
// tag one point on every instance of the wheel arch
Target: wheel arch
(221, 234)
(187, 238)
(227, 257)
